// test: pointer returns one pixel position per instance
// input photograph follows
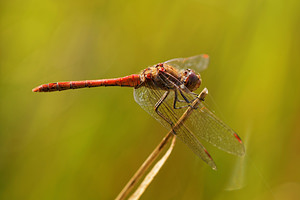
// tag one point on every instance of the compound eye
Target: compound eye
(192, 81)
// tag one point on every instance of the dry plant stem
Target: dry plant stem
(137, 176)
(150, 176)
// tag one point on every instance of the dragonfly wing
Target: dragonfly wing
(185, 135)
(148, 97)
(210, 128)
(199, 62)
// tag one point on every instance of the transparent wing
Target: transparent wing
(148, 97)
(199, 62)
(201, 123)
(205, 125)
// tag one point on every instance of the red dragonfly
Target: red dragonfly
(164, 90)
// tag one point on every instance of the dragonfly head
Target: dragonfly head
(190, 79)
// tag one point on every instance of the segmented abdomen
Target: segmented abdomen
(127, 81)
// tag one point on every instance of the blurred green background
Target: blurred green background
(86, 144)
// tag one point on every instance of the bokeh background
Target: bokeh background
(86, 144)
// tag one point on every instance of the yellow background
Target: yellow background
(86, 144)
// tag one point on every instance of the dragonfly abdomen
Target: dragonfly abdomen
(127, 81)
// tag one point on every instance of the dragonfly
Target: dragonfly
(165, 90)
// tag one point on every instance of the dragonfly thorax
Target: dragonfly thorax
(190, 79)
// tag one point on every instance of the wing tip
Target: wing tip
(210, 162)
(242, 151)
(214, 167)
(205, 56)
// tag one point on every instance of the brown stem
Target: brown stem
(137, 176)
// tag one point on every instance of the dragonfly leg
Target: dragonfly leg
(158, 104)
(184, 97)
(193, 93)
(178, 100)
